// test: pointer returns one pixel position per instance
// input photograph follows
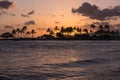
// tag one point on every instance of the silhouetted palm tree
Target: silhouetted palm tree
(28, 33)
(117, 31)
(107, 28)
(93, 27)
(62, 29)
(18, 31)
(75, 28)
(56, 28)
(91, 31)
(13, 32)
(101, 28)
(85, 30)
(79, 30)
(69, 30)
(51, 32)
(23, 30)
(48, 30)
(33, 32)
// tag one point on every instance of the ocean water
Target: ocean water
(59, 60)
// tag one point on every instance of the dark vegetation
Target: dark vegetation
(100, 32)
(18, 34)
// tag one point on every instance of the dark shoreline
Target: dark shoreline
(59, 39)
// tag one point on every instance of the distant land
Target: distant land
(101, 32)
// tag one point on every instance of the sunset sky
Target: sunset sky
(41, 14)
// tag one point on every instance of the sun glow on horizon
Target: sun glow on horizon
(41, 14)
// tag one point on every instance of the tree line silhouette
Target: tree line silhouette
(100, 32)
(19, 33)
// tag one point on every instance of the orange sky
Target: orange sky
(48, 13)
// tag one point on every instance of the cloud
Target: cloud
(93, 11)
(3, 12)
(53, 15)
(101, 23)
(28, 14)
(8, 27)
(113, 18)
(31, 22)
(5, 4)
(56, 22)
(32, 12)
(23, 15)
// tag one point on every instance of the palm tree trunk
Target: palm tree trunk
(18, 34)
(32, 35)
(21, 34)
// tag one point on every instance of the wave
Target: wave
(81, 63)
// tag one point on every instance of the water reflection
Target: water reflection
(73, 60)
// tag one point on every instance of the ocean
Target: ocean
(59, 60)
